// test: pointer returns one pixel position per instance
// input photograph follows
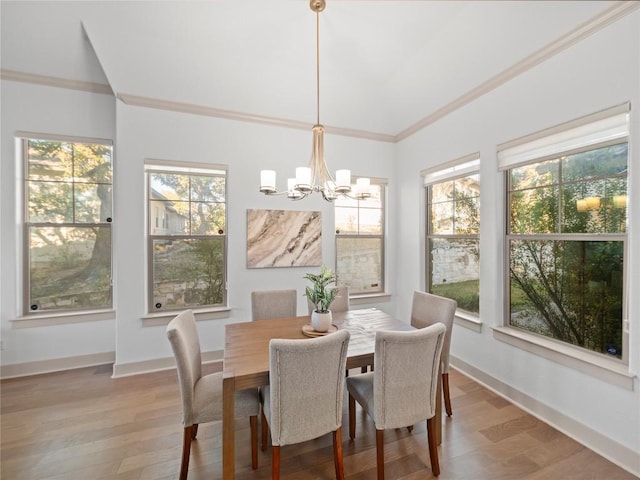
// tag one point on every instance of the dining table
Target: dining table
(246, 359)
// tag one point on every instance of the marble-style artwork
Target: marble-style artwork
(283, 238)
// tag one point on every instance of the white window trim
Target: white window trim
(155, 165)
(26, 319)
(593, 364)
(365, 298)
(609, 126)
(459, 167)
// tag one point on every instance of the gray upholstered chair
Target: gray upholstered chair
(426, 310)
(270, 304)
(339, 304)
(202, 394)
(306, 388)
(402, 389)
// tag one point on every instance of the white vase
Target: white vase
(321, 321)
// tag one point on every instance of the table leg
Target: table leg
(228, 427)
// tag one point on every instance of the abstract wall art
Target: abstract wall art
(283, 238)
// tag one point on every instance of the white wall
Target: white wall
(40, 109)
(245, 148)
(599, 72)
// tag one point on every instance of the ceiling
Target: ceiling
(386, 67)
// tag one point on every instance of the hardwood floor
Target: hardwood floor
(81, 424)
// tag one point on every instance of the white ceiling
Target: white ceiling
(385, 65)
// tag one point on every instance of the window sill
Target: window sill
(608, 370)
(57, 318)
(363, 299)
(467, 320)
(163, 318)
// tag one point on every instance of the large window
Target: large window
(187, 236)
(566, 234)
(453, 227)
(360, 241)
(68, 219)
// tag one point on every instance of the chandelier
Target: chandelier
(316, 177)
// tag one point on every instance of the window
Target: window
(187, 224)
(453, 227)
(68, 217)
(566, 232)
(360, 241)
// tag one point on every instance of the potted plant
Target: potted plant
(321, 295)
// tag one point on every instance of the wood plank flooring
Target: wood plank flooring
(83, 425)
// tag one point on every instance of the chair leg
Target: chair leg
(337, 454)
(447, 397)
(253, 422)
(194, 431)
(433, 447)
(186, 451)
(363, 369)
(352, 417)
(275, 463)
(265, 429)
(380, 453)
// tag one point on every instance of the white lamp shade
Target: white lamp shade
(362, 186)
(343, 178)
(303, 177)
(268, 180)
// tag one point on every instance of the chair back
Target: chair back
(428, 309)
(183, 336)
(405, 378)
(306, 387)
(339, 304)
(270, 304)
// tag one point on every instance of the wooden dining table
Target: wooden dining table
(246, 359)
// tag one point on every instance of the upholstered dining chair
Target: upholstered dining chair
(202, 394)
(304, 397)
(270, 304)
(426, 310)
(339, 304)
(402, 388)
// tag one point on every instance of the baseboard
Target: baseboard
(158, 364)
(619, 454)
(55, 365)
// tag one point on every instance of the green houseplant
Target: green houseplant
(321, 295)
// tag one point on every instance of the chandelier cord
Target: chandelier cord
(318, 67)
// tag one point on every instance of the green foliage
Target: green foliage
(320, 294)
(465, 293)
(569, 289)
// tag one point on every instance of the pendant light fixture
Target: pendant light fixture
(316, 177)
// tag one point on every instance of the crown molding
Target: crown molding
(148, 102)
(49, 81)
(615, 12)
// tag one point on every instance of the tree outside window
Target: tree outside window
(68, 194)
(187, 238)
(453, 248)
(567, 232)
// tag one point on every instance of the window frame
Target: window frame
(446, 172)
(22, 143)
(382, 183)
(156, 166)
(599, 130)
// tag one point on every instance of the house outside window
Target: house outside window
(567, 232)
(452, 231)
(187, 243)
(68, 218)
(360, 227)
